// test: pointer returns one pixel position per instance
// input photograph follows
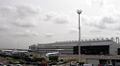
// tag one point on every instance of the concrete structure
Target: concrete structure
(13, 51)
(96, 50)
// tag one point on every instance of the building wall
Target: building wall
(114, 49)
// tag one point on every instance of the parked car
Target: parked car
(87, 64)
(1, 64)
(18, 65)
(10, 65)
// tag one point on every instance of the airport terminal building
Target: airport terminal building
(87, 47)
(95, 51)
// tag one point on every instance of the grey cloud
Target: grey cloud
(98, 2)
(48, 17)
(27, 33)
(55, 18)
(110, 23)
(7, 13)
(106, 22)
(99, 26)
(49, 35)
(60, 20)
(19, 16)
(4, 27)
(94, 3)
(26, 17)
(73, 30)
(23, 24)
(95, 31)
(26, 12)
(20, 34)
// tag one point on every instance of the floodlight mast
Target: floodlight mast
(79, 33)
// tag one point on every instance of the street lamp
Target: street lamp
(79, 33)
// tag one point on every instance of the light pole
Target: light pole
(79, 33)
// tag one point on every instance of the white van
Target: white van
(87, 64)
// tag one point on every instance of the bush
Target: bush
(53, 58)
(38, 59)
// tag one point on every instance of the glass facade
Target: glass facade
(92, 50)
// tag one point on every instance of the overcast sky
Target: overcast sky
(27, 22)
